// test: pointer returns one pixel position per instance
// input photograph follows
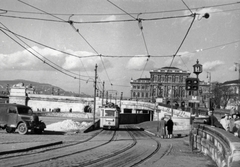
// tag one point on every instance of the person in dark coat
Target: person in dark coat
(169, 127)
(162, 128)
(212, 120)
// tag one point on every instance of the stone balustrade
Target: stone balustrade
(222, 146)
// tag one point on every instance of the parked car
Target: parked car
(21, 118)
(56, 110)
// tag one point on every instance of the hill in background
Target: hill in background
(39, 88)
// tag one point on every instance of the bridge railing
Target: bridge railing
(222, 146)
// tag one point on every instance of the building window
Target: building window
(138, 87)
(134, 87)
(159, 78)
(142, 94)
(166, 78)
(173, 78)
(177, 79)
(162, 78)
(169, 78)
(134, 94)
(146, 94)
(155, 78)
(181, 79)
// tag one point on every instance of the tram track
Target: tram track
(103, 149)
(114, 154)
(32, 160)
(93, 155)
(44, 149)
(158, 146)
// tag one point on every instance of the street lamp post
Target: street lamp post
(197, 69)
(210, 87)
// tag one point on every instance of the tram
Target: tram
(109, 118)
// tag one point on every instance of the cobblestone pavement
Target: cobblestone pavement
(173, 152)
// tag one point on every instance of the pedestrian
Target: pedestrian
(225, 121)
(232, 111)
(169, 125)
(232, 123)
(212, 120)
(162, 129)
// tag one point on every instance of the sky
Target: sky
(60, 42)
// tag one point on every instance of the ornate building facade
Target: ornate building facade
(165, 84)
(168, 83)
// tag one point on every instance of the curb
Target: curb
(177, 135)
(30, 148)
(153, 134)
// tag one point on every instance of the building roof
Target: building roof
(232, 82)
(140, 80)
(170, 69)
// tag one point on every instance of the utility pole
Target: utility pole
(121, 97)
(95, 88)
(197, 69)
(103, 94)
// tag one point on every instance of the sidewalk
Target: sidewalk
(179, 153)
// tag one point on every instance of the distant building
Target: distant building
(140, 89)
(234, 93)
(168, 83)
(163, 85)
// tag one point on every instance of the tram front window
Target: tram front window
(109, 113)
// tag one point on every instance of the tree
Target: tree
(221, 95)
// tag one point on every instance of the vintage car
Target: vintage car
(20, 118)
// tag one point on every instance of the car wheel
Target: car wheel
(22, 128)
(10, 130)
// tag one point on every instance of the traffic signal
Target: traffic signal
(192, 84)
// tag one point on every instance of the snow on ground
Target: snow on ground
(68, 125)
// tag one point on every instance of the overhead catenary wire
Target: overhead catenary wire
(194, 16)
(83, 57)
(17, 35)
(108, 14)
(71, 23)
(139, 56)
(40, 58)
(139, 20)
(77, 30)
(41, 10)
(96, 22)
(48, 14)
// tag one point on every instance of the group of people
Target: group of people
(166, 127)
(228, 122)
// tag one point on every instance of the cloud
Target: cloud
(212, 66)
(109, 18)
(181, 59)
(88, 64)
(138, 64)
(23, 60)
